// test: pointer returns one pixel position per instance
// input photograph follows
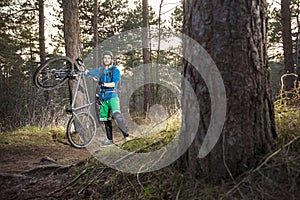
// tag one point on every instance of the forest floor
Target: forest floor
(29, 156)
(39, 163)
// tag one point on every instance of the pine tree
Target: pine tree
(237, 44)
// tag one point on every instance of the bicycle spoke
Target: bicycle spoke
(53, 73)
(82, 131)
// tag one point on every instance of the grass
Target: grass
(277, 179)
(31, 136)
(287, 121)
(160, 137)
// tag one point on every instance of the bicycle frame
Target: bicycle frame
(82, 126)
(81, 77)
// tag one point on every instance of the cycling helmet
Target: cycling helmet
(108, 53)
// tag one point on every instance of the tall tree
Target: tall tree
(110, 19)
(176, 20)
(287, 43)
(146, 57)
(71, 33)
(134, 17)
(96, 38)
(18, 55)
(42, 45)
(42, 31)
(71, 29)
(298, 40)
(234, 34)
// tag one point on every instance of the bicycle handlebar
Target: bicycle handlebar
(80, 63)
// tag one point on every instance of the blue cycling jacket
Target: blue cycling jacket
(105, 92)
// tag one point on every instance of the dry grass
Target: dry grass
(31, 136)
(277, 176)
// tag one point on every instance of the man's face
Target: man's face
(107, 60)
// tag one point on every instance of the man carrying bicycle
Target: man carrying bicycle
(109, 77)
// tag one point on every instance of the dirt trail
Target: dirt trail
(34, 164)
(19, 159)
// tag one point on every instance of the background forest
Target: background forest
(21, 102)
(21, 51)
(256, 47)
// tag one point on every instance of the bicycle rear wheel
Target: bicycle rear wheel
(53, 73)
(81, 129)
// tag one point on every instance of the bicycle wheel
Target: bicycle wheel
(81, 129)
(53, 73)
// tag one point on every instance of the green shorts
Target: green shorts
(108, 108)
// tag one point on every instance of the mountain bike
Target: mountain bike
(53, 73)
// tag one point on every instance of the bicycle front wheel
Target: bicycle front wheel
(53, 73)
(81, 129)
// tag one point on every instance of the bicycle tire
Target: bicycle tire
(80, 136)
(46, 79)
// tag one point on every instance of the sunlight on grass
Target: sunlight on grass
(31, 136)
(158, 138)
(287, 121)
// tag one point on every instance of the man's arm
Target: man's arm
(94, 72)
(109, 85)
(115, 78)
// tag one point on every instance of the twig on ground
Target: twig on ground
(138, 177)
(92, 180)
(161, 156)
(127, 188)
(264, 162)
(70, 183)
(275, 153)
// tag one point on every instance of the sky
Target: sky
(167, 8)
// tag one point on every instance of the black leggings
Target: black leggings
(108, 126)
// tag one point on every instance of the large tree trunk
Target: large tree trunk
(96, 39)
(42, 31)
(287, 43)
(234, 34)
(71, 29)
(146, 57)
(298, 44)
(72, 35)
(42, 46)
(298, 55)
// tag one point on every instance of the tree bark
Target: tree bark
(96, 39)
(42, 46)
(156, 87)
(71, 34)
(146, 58)
(42, 31)
(287, 43)
(71, 29)
(298, 44)
(234, 34)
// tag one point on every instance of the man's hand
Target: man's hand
(98, 101)
(109, 85)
